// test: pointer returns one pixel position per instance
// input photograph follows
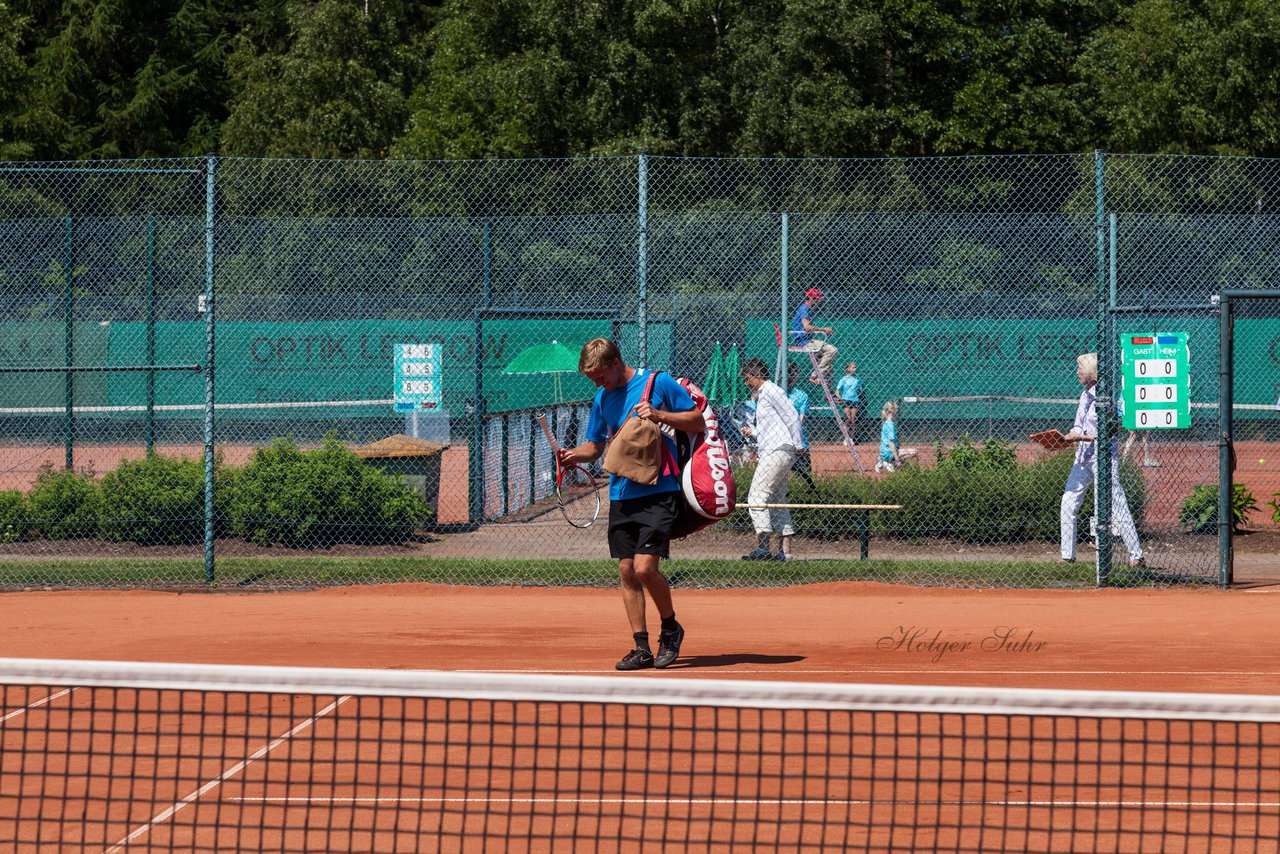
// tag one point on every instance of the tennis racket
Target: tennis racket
(577, 492)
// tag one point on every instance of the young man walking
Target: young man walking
(640, 515)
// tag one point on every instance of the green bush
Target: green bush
(157, 500)
(978, 493)
(13, 516)
(979, 504)
(319, 498)
(1199, 512)
(63, 505)
(991, 455)
(1274, 504)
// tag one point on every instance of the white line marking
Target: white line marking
(785, 671)
(166, 814)
(37, 704)
(760, 802)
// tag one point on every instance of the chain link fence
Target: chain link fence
(364, 347)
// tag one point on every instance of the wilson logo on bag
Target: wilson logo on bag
(706, 480)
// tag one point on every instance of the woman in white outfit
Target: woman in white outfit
(1085, 471)
(777, 434)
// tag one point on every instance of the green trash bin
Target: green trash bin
(415, 461)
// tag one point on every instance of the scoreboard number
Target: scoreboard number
(423, 387)
(1156, 368)
(1156, 393)
(1157, 418)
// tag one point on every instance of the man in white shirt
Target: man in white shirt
(777, 434)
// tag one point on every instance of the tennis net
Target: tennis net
(125, 756)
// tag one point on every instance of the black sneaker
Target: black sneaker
(637, 659)
(669, 646)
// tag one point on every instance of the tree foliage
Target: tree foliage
(332, 87)
(529, 78)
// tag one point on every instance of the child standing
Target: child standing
(889, 459)
(850, 392)
(804, 465)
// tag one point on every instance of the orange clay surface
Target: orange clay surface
(1180, 640)
(1149, 640)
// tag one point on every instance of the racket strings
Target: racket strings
(579, 496)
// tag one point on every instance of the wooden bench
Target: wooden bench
(861, 520)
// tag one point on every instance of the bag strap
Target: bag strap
(669, 464)
(648, 387)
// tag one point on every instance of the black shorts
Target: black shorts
(642, 526)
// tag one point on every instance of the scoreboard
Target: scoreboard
(417, 377)
(1157, 387)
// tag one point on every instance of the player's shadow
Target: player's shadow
(732, 658)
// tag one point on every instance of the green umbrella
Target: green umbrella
(549, 358)
(715, 376)
(734, 387)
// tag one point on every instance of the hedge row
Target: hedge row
(976, 493)
(283, 495)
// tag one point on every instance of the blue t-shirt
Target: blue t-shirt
(850, 388)
(611, 408)
(797, 325)
(888, 433)
(800, 401)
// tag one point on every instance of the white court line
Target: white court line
(821, 802)
(785, 671)
(166, 814)
(37, 704)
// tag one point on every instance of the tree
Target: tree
(485, 93)
(1020, 91)
(110, 79)
(802, 79)
(510, 78)
(13, 82)
(1188, 76)
(334, 86)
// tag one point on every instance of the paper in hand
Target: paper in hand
(1051, 440)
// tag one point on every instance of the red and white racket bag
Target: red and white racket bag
(705, 476)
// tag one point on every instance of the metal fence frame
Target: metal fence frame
(680, 179)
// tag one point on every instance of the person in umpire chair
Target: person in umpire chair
(803, 330)
(640, 516)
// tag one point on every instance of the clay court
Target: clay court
(1146, 640)
(1151, 640)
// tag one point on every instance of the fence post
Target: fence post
(475, 466)
(210, 203)
(151, 335)
(784, 363)
(642, 258)
(69, 338)
(1104, 406)
(1226, 452)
